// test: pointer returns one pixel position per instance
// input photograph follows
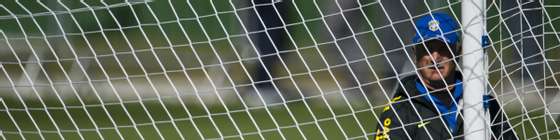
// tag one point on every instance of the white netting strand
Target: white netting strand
(256, 69)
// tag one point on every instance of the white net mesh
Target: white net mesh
(220, 69)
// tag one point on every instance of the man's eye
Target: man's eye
(446, 53)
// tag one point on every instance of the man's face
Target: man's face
(441, 55)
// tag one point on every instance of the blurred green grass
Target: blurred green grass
(184, 123)
(201, 120)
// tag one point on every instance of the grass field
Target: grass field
(264, 125)
(141, 126)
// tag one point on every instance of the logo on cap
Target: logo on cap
(433, 25)
(437, 26)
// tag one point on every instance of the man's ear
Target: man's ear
(457, 53)
(416, 50)
(414, 54)
(458, 49)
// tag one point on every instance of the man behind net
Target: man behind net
(428, 103)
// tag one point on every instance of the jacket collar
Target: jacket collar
(450, 111)
(415, 95)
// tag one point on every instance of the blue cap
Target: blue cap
(432, 28)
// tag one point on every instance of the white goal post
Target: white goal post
(268, 69)
(474, 69)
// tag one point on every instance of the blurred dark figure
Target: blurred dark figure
(268, 41)
(524, 28)
(264, 27)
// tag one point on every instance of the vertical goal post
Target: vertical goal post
(474, 69)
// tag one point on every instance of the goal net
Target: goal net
(262, 69)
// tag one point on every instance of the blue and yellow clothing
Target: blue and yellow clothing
(427, 117)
